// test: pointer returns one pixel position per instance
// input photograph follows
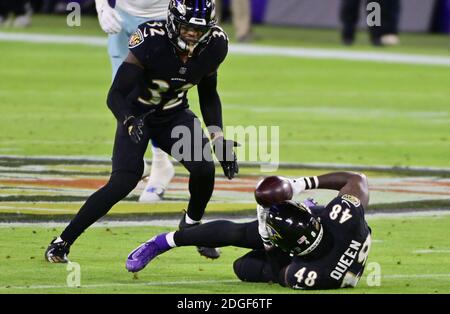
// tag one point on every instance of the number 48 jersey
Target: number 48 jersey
(167, 77)
(347, 240)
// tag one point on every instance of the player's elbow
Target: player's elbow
(360, 187)
(360, 178)
(112, 98)
(109, 99)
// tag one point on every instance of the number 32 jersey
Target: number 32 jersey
(348, 238)
(167, 78)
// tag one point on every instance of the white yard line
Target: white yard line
(176, 283)
(174, 222)
(107, 161)
(412, 214)
(105, 285)
(145, 223)
(425, 276)
(431, 251)
(54, 39)
(335, 54)
(251, 144)
(253, 50)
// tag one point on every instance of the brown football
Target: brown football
(273, 190)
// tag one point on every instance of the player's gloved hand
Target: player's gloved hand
(134, 126)
(298, 186)
(304, 183)
(261, 213)
(109, 19)
(225, 155)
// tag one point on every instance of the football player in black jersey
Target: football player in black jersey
(298, 245)
(148, 99)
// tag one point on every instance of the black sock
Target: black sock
(221, 233)
(98, 204)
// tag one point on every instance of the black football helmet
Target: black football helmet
(198, 14)
(293, 228)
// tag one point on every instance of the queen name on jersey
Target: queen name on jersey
(340, 259)
(167, 77)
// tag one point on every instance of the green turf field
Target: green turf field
(409, 264)
(327, 111)
(52, 102)
(435, 44)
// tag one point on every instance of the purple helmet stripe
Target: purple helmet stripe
(204, 9)
(196, 8)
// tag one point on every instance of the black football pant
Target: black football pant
(17, 7)
(221, 233)
(128, 166)
(254, 266)
(349, 14)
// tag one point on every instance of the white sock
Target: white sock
(170, 240)
(190, 221)
(159, 156)
(58, 239)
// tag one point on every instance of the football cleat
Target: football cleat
(162, 172)
(212, 253)
(146, 252)
(151, 194)
(22, 21)
(57, 252)
(390, 40)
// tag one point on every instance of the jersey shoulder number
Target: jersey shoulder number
(343, 208)
(218, 32)
(218, 44)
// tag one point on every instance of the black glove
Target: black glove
(226, 156)
(134, 126)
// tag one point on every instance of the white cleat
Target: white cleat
(151, 195)
(22, 21)
(390, 40)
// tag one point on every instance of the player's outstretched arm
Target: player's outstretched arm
(126, 79)
(210, 104)
(345, 182)
(211, 109)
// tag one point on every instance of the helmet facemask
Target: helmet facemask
(293, 228)
(197, 15)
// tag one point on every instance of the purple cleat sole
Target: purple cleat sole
(146, 252)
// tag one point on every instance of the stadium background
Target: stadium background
(381, 110)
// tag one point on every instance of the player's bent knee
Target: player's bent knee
(238, 268)
(123, 182)
(251, 268)
(203, 169)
